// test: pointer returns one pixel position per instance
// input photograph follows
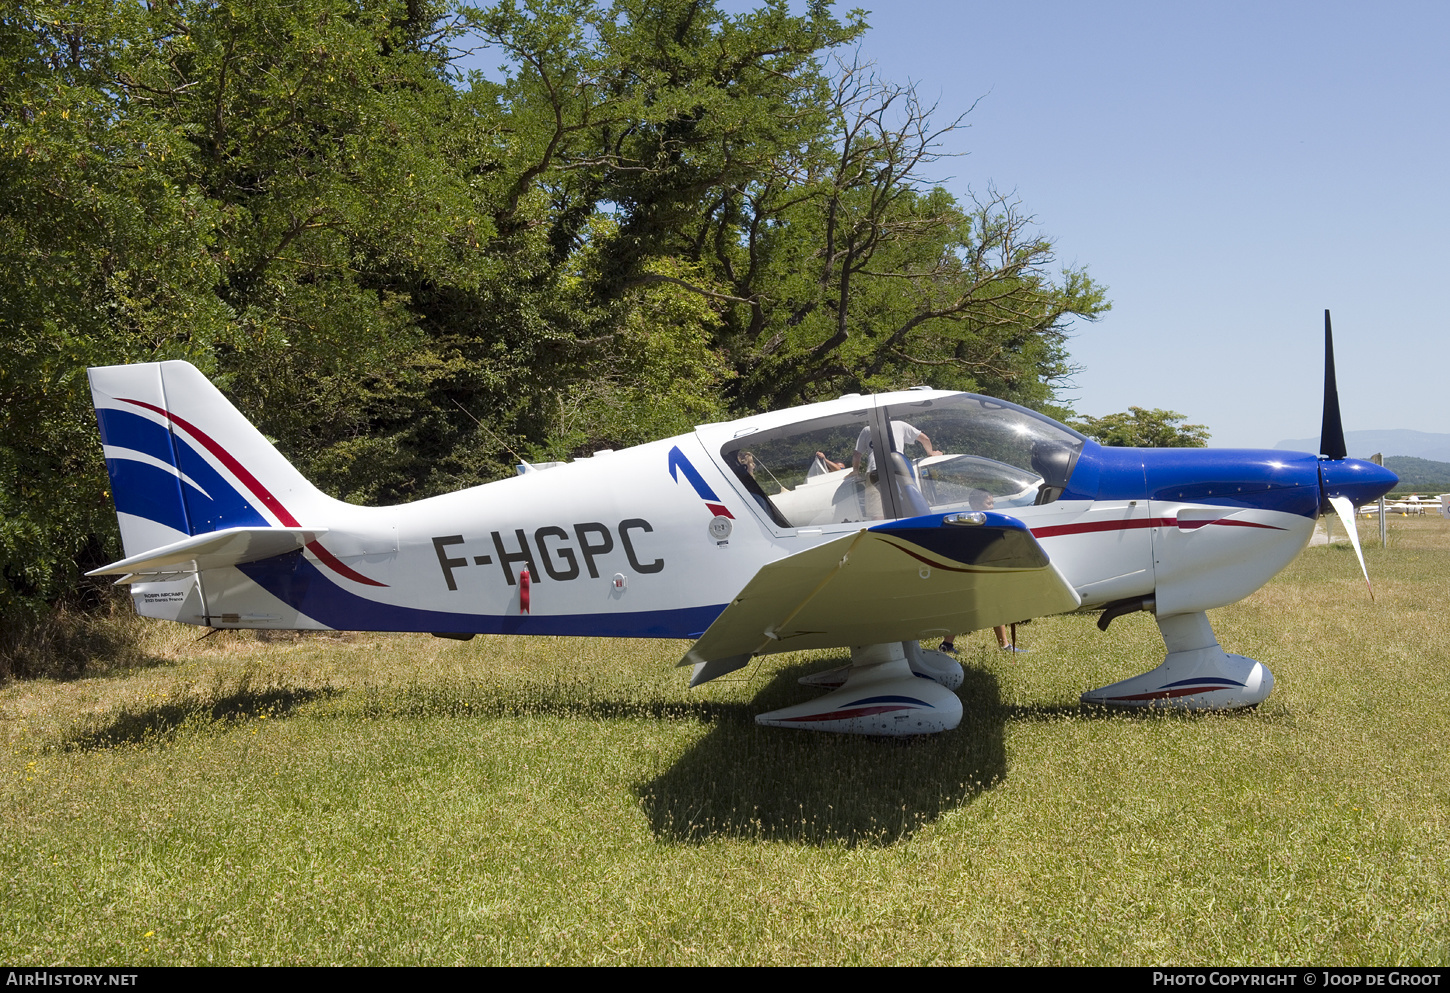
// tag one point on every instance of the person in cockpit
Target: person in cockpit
(822, 464)
(902, 433)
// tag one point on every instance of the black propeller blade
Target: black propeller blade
(1331, 431)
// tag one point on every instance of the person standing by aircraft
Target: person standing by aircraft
(982, 500)
(903, 434)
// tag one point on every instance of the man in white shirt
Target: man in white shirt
(903, 434)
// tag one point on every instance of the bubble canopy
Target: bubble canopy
(1016, 455)
(935, 454)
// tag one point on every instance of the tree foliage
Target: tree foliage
(104, 258)
(1140, 428)
(654, 214)
(849, 274)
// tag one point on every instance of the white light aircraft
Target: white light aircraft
(852, 523)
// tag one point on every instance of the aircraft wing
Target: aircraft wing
(917, 578)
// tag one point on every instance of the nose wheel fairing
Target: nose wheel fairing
(1197, 674)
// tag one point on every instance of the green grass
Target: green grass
(400, 799)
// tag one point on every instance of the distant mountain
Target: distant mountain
(1362, 444)
(1419, 475)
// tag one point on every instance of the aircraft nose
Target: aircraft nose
(1357, 479)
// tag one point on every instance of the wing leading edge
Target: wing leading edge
(916, 578)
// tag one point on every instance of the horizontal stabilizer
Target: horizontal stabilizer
(897, 582)
(232, 546)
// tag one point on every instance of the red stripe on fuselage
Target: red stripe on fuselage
(337, 566)
(258, 490)
(1146, 522)
(1091, 526)
(1226, 522)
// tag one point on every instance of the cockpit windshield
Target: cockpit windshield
(987, 448)
(961, 452)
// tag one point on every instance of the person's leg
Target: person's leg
(1006, 644)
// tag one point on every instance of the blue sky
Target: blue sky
(1227, 171)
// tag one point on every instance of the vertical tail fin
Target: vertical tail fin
(183, 461)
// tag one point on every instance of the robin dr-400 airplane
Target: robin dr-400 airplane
(856, 523)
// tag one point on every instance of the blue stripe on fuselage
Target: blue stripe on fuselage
(678, 461)
(294, 580)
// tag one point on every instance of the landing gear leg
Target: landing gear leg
(925, 662)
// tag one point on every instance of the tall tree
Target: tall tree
(797, 197)
(851, 272)
(104, 258)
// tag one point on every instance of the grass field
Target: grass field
(402, 799)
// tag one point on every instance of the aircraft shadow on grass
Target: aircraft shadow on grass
(743, 780)
(740, 780)
(156, 723)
